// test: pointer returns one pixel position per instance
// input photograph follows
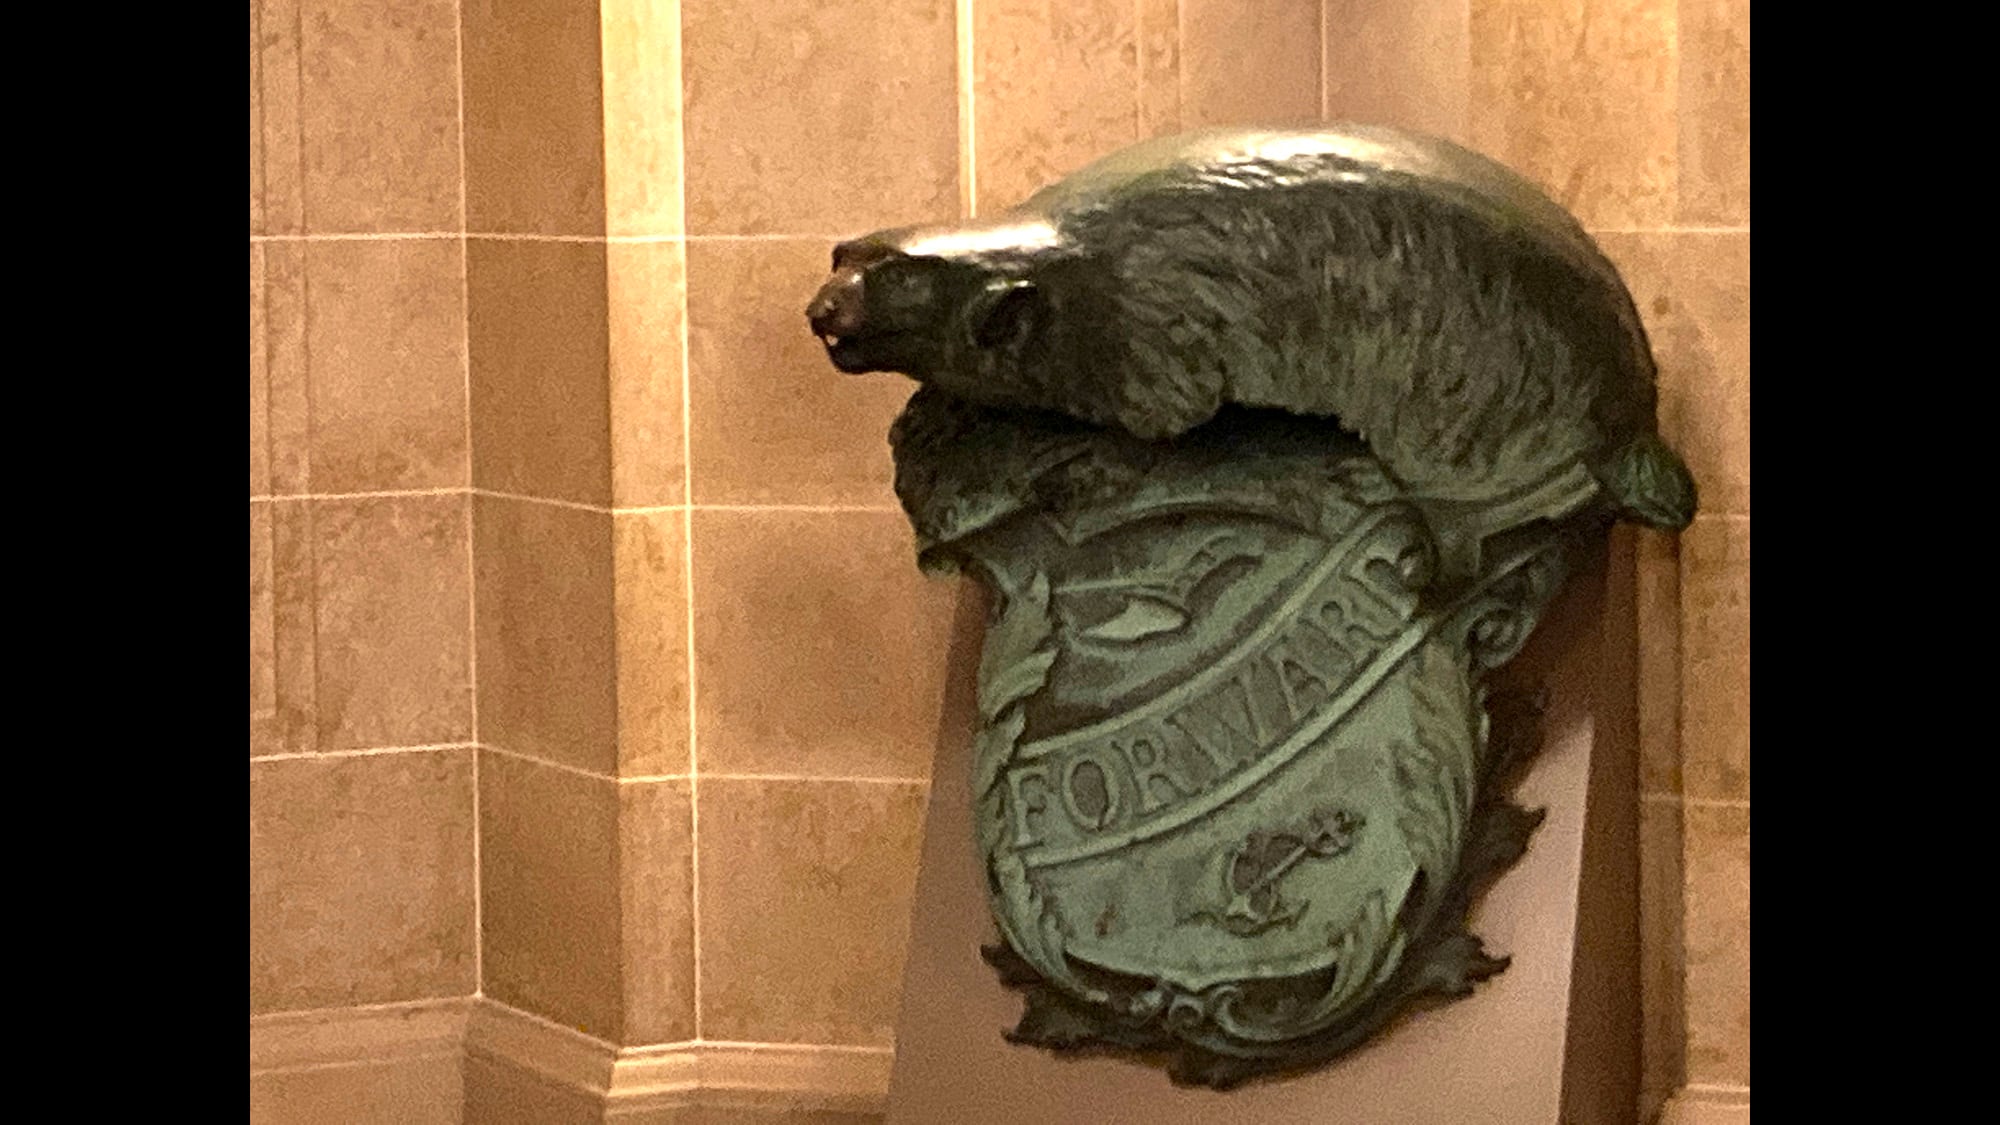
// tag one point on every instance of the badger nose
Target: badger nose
(836, 309)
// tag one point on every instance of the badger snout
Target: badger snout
(839, 320)
(880, 309)
(836, 310)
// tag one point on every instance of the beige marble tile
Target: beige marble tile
(281, 585)
(534, 118)
(1715, 668)
(805, 892)
(260, 380)
(277, 200)
(1705, 365)
(549, 887)
(361, 888)
(1657, 592)
(819, 649)
(1054, 90)
(263, 638)
(1404, 64)
(650, 597)
(1579, 96)
(656, 911)
(818, 116)
(1662, 953)
(1692, 290)
(378, 115)
(1718, 944)
(392, 620)
(1159, 67)
(772, 421)
(541, 407)
(1714, 112)
(1249, 64)
(285, 430)
(385, 339)
(646, 319)
(546, 623)
(642, 115)
(256, 124)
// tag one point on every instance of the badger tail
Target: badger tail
(1651, 484)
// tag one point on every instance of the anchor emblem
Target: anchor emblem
(1255, 868)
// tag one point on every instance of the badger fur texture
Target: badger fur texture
(1423, 297)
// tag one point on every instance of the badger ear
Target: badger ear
(1002, 309)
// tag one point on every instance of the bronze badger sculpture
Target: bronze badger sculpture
(1273, 447)
(1431, 301)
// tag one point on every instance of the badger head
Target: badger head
(960, 308)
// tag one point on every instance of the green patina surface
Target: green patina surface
(1272, 446)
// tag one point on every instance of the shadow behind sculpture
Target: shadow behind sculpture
(1271, 445)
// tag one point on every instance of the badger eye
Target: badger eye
(906, 285)
(917, 290)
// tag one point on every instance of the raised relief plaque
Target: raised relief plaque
(1271, 447)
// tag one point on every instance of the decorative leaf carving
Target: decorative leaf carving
(1019, 649)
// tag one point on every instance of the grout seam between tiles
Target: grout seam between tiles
(499, 236)
(640, 510)
(365, 752)
(687, 545)
(471, 528)
(1695, 802)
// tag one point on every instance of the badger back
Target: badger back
(1434, 301)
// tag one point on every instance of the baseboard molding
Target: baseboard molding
(1707, 1105)
(848, 1079)
(388, 1064)
(376, 1033)
(624, 1081)
(671, 1075)
(561, 1055)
